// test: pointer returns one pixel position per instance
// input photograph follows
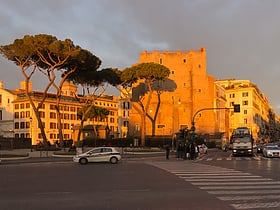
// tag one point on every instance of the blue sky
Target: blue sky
(241, 37)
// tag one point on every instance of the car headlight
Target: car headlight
(234, 150)
(249, 150)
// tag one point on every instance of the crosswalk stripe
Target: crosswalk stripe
(257, 158)
(239, 187)
(225, 180)
(211, 174)
(242, 190)
(206, 183)
(245, 198)
(220, 177)
(245, 192)
(256, 205)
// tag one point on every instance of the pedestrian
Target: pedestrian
(167, 151)
(192, 151)
(187, 151)
(180, 151)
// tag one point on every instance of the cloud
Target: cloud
(241, 37)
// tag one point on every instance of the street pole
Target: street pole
(200, 110)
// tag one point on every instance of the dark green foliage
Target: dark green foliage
(147, 71)
(93, 111)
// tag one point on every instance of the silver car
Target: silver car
(271, 150)
(99, 154)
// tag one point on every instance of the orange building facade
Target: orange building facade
(190, 90)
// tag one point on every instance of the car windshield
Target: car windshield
(244, 140)
(273, 147)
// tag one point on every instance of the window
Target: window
(27, 105)
(52, 115)
(232, 95)
(112, 120)
(16, 106)
(0, 114)
(245, 94)
(125, 123)
(42, 114)
(184, 60)
(245, 111)
(27, 124)
(172, 72)
(16, 125)
(232, 103)
(16, 115)
(22, 114)
(245, 121)
(245, 103)
(72, 117)
(0, 98)
(27, 114)
(52, 107)
(22, 106)
(22, 124)
(52, 125)
(66, 116)
(160, 61)
(161, 126)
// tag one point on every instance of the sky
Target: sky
(242, 37)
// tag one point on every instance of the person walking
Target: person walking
(192, 151)
(167, 151)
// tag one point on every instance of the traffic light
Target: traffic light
(236, 107)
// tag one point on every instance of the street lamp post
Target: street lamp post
(31, 149)
(236, 108)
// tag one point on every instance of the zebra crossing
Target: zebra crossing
(239, 189)
(230, 158)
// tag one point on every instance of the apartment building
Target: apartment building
(188, 90)
(6, 111)
(19, 120)
(255, 111)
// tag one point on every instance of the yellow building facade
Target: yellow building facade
(190, 90)
(25, 125)
(254, 107)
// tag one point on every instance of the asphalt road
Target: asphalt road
(213, 182)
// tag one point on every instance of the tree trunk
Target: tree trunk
(143, 129)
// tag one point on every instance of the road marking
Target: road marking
(241, 190)
(236, 192)
(206, 183)
(220, 177)
(245, 198)
(225, 180)
(210, 174)
(256, 205)
(239, 187)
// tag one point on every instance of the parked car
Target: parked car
(271, 150)
(99, 154)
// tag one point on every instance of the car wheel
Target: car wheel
(114, 160)
(83, 161)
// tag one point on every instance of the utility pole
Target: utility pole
(236, 108)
